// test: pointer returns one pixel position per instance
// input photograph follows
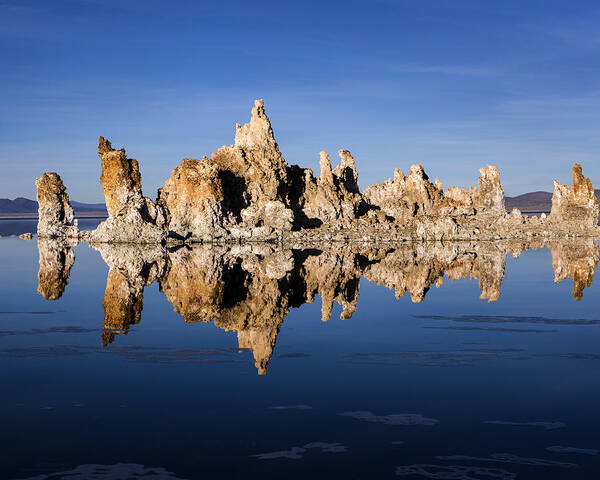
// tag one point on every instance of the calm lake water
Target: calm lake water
(194, 363)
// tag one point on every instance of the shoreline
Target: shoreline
(25, 216)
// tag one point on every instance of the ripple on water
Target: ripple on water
(110, 472)
(296, 453)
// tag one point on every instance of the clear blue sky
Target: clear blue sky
(453, 85)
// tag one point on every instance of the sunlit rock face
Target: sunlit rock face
(132, 218)
(575, 206)
(488, 199)
(131, 268)
(405, 197)
(575, 259)
(254, 175)
(56, 258)
(193, 198)
(412, 197)
(55, 214)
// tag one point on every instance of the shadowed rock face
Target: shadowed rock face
(332, 198)
(54, 209)
(132, 218)
(247, 192)
(575, 206)
(250, 288)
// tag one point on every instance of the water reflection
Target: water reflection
(250, 289)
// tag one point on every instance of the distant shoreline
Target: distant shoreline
(32, 216)
(92, 215)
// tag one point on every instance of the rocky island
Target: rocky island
(247, 192)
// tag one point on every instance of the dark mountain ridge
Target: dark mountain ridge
(527, 202)
(26, 206)
(533, 201)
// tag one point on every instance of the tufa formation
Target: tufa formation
(248, 192)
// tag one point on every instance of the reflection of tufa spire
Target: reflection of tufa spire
(250, 288)
(131, 268)
(56, 259)
(576, 259)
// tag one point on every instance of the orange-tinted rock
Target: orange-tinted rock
(133, 218)
(193, 197)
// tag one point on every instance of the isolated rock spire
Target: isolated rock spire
(55, 214)
(132, 218)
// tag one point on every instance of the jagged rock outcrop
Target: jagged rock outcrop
(405, 197)
(55, 214)
(332, 199)
(132, 218)
(413, 197)
(247, 192)
(575, 206)
(56, 258)
(254, 174)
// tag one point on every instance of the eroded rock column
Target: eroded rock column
(55, 214)
(133, 218)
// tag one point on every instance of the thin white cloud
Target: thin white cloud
(469, 70)
(583, 107)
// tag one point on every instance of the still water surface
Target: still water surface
(127, 362)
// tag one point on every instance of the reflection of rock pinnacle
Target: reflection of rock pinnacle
(250, 289)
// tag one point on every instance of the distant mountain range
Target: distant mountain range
(23, 206)
(528, 202)
(533, 201)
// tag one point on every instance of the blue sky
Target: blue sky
(453, 85)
